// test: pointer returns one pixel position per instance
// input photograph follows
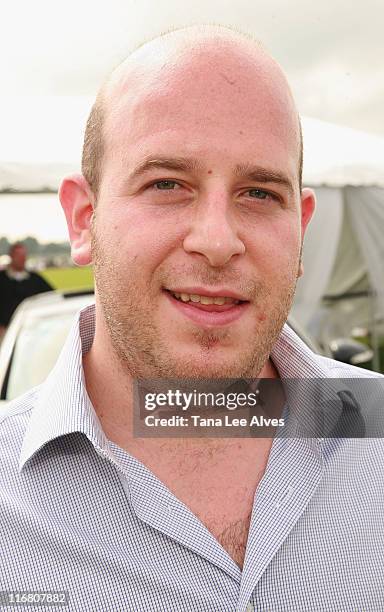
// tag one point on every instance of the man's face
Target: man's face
(18, 258)
(199, 202)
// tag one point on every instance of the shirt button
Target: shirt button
(250, 608)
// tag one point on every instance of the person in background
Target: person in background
(17, 283)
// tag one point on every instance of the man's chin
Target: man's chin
(210, 365)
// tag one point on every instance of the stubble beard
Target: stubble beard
(142, 351)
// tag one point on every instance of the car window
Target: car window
(37, 347)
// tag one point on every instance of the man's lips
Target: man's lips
(208, 315)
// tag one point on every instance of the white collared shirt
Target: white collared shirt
(79, 514)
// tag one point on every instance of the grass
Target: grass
(69, 278)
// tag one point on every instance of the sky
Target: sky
(332, 52)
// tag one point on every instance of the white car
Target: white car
(35, 337)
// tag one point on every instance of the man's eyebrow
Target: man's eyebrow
(259, 174)
(165, 163)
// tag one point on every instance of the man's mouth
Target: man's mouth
(206, 300)
(208, 310)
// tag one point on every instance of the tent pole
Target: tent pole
(375, 339)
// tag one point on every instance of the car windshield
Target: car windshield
(36, 350)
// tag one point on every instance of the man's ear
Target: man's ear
(77, 201)
(308, 203)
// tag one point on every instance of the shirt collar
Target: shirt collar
(63, 405)
(18, 275)
(314, 394)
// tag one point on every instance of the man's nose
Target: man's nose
(213, 232)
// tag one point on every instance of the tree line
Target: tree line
(36, 248)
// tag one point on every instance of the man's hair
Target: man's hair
(94, 143)
(301, 154)
(93, 149)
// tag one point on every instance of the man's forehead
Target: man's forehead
(205, 73)
(176, 57)
(206, 78)
(181, 46)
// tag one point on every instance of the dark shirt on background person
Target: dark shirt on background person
(17, 283)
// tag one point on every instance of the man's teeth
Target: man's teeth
(204, 299)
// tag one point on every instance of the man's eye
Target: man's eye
(258, 193)
(165, 185)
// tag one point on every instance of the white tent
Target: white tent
(344, 247)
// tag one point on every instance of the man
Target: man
(191, 209)
(16, 284)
